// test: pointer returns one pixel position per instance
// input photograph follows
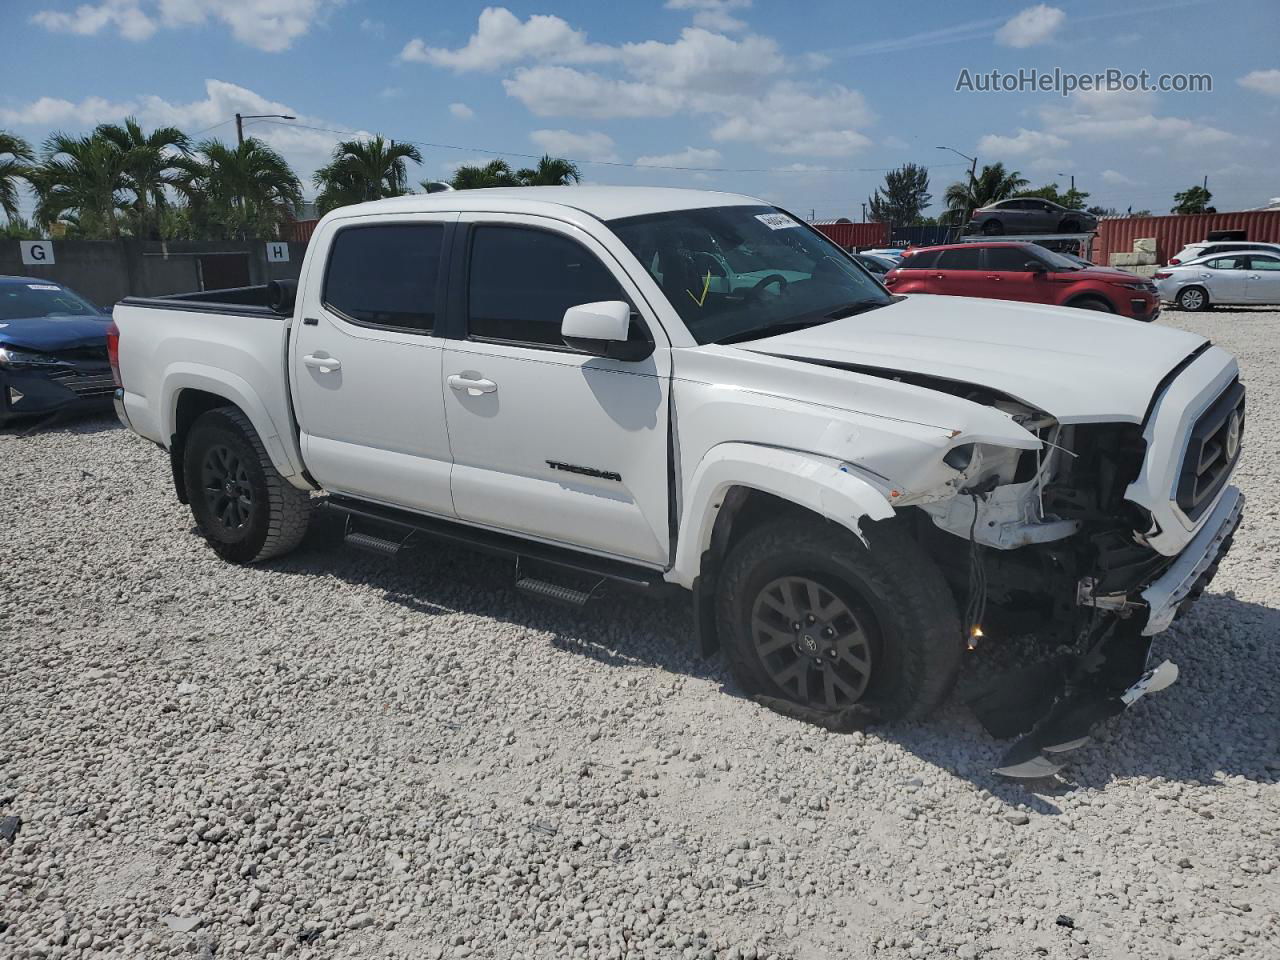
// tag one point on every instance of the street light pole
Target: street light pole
(973, 166)
(241, 118)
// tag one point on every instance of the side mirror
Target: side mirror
(603, 329)
(1035, 266)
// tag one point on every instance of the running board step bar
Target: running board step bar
(629, 575)
(552, 591)
(371, 544)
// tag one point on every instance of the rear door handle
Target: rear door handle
(323, 364)
(992, 276)
(473, 386)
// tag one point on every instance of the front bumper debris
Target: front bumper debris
(1053, 706)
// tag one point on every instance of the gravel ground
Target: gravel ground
(338, 755)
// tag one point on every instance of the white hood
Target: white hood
(1081, 366)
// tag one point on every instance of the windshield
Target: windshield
(20, 301)
(746, 272)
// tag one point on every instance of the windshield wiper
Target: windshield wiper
(804, 322)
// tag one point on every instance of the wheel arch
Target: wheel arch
(737, 485)
(1080, 299)
(190, 389)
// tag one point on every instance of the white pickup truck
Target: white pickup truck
(654, 387)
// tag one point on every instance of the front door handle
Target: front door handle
(323, 364)
(473, 386)
(992, 276)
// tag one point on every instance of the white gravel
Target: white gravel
(336, 755)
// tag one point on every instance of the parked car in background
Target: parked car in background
(1011, 270)
(893, 254)
(53, 350)
(877, 265)
(1029, 215)
(1207, 248)
(1243, 277)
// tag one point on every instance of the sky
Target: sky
(805, 104)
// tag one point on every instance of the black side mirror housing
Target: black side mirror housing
(1034, 266)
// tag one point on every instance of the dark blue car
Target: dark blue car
(53, 350)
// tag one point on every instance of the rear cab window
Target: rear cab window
(386, 275)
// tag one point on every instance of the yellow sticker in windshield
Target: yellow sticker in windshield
(706, 285)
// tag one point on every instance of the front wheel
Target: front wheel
(243, 507)
(808, 613)
(993, 228)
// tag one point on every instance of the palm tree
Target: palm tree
(550, 172)
(15, 155)
(364, 170)
(495, 173)
(992, 184)
(150, 168)
(81, 178)
(242, 191)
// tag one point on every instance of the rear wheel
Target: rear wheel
(243, 507)
(809, 614)
(993, 228)
(1069, 226)
(1193, 299)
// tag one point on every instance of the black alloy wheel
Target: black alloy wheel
(811, 642)
(228, 491)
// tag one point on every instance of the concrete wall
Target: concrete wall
(104, 271)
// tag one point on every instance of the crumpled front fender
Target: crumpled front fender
(822, 484)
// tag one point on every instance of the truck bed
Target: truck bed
(228, 343)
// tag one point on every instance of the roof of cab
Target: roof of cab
(603, 203)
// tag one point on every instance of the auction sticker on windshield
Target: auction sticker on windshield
(42, 286)
(777, 221)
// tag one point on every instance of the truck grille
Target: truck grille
(1212, 450)
(92, 383)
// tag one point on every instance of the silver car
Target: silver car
(1239, 277)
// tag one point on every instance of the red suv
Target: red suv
(1023, 271)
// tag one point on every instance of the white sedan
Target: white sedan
(1243, 277)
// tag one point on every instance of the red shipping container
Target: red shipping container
(1172, 233)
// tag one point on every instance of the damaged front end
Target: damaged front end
(1048, 542)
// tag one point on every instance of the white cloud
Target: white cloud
(390, 93)
(550, 91)
(688, 157)
(461, 111)
(502, 39)
(1121, 114)
(1032, 26)
(373, 27)
(713, 14)
(1116, 179)
(703, 62)
(1023, 143)
(791, 119)
(1262, 81)
(268, 25)
(575, 146)
(55, 112)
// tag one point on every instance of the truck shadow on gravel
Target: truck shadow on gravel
(1217, 721)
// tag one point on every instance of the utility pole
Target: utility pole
(864, 211)
(240, 119)
(1206, 182)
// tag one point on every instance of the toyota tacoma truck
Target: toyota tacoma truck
(669, 389)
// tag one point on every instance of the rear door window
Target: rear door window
(919, 261)
(386, 275)
(965, 258)
(1227, 263)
